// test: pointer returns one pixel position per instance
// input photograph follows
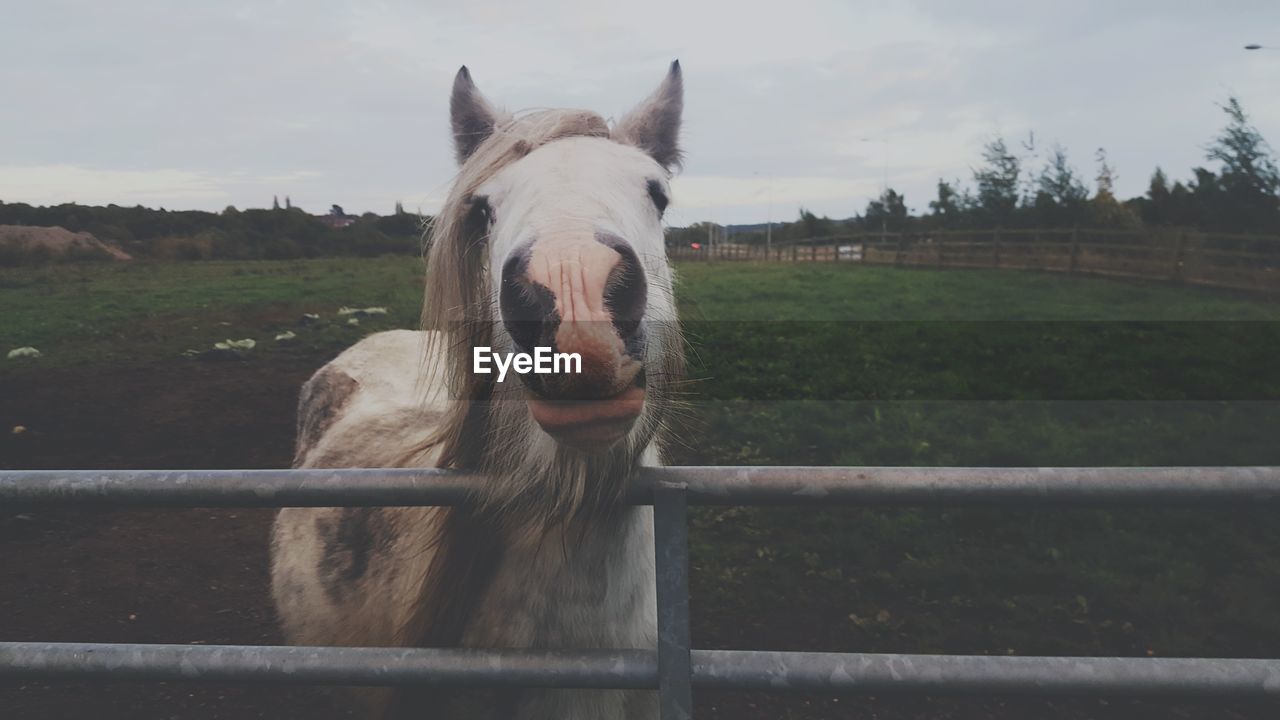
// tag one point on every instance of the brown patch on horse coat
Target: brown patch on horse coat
(349, 541)
(321, 399)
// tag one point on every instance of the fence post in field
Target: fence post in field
(813, 251)
(1075, 251)
(794, 250)
(1178, 250)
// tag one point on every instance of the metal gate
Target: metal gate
(673, 668)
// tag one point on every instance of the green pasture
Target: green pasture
(844, 364)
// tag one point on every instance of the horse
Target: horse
(550, 237)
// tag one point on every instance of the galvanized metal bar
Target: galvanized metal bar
(443, 667)
(881, 673)
(671, 542)
(968, 487)
(638, 669)
(232, 488)
(825, 486)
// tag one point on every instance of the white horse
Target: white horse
(551, 237)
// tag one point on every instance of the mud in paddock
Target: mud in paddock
(200, 576)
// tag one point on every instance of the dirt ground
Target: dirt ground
(200, 576)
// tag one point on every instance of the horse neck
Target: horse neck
(572, 591)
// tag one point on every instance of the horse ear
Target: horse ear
(654, 125)
(471, 115)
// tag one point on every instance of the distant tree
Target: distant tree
(1206, 206)
(399, 208)
(1106, 177)
(1029, 181)
(1158, 189)
(1060, 196)
(1104, 210)
(811, 226)
(947, 208)
(1157, 206)
(288, 204)
(336, 211)
(686, 236)
(888, 212)
(1248, 177)
(997, 182)
(401, 224)
(275, 202)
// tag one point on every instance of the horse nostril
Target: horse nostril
(526, 306)
(626, 293)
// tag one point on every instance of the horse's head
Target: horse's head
(553, 238)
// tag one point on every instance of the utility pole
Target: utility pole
(768, 228)
(768, 232)
(884, 185)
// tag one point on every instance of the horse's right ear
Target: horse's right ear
(472, 117)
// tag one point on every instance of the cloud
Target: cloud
(71, 183)
(698, 194)
(345, 102)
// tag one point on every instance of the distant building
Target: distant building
(337, 218)
(337, 222)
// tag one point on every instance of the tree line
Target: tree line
(1241, 194)
(1011, 188)
(282, 232)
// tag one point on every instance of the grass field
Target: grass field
(796, 364)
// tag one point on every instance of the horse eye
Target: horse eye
(481, 211)
(658, 197)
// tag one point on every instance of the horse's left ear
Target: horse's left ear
(654, 125)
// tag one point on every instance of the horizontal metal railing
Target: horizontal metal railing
(674, 669)
(638, 669)
(711, 485)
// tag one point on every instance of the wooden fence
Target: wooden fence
(1242, 262)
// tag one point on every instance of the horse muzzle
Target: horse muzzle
(580, 294)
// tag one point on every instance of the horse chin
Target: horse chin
(592, 425)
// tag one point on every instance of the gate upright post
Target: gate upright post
(671, 543)
(1179, 252)
(1075, 251)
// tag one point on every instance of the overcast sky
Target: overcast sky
(802, 102)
